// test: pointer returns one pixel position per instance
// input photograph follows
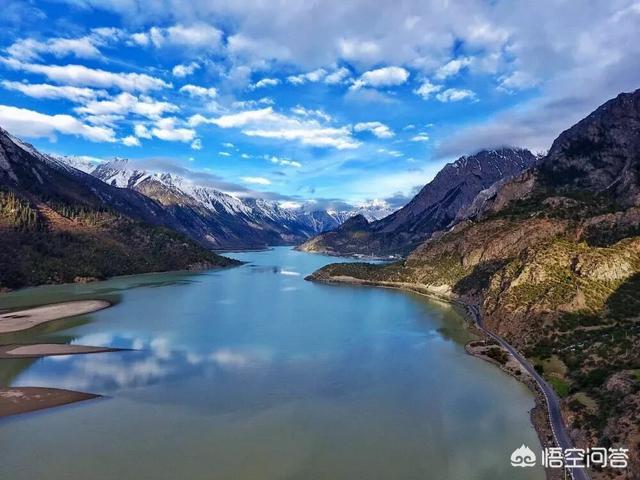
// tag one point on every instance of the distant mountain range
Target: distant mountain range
(551, 258)
(59, 224)
(434, 208)
(219, 220)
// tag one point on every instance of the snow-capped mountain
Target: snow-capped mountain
(219, 219)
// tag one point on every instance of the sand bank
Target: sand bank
(47, 349)
(28, 399)
(29, 318)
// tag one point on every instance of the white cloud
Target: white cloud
(379, 129)
(224, 154)
(266, 82)
(452, 68)
(125, 103)
(427, 89)
(267, 123)
(359, 51)
(131, 141)
(43, 90)
(197, 91)
(29, 123)
(455, 95)
(248, 104)
(517, 81)
(256, 180)
(382, 77)
(338, 76)
(198, 35)
(421, 137)
(141, 131)
(314, 76)
(393, 153)
(284, 162)
(81, 76)
(196, 144)
(167, 129)
(184, 70)
(309, 112)
(30, 49)
(228, 145)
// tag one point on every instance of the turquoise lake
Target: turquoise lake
(253, 373)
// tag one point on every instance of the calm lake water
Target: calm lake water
(255, 374)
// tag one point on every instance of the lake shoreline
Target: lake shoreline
(196, 268)
(538, 415)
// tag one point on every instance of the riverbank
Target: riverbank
(15, 400)
(540, 415)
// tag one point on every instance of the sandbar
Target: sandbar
(48, 349)
(24, 319)
(17, 400)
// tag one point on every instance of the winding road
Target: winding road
(558, 428)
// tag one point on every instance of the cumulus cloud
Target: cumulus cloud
(29, 49)
(267, 123)
(256, 180)
(421, 137)
(427, 89)
(197, 35)
(314, 76)
(379, 129)
(184, 70)
(81, 76)
(126, 103)
(266, 82)
(141, 131)
(29, 123)
(382, 77)
(168, 129)
(310, 112)
(284, 162)
(131, 141)
(455, 95)
(452, 68)
(54, 92)
(197, 91)
(517, 81)
(393, 153)
(337, 76)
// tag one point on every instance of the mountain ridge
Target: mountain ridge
(59, 224)
(220, 220)
(434, 208)
(552, 260)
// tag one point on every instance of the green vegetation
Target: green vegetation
(498, 354)
(18, 213)
(560, 386)
(97, 244)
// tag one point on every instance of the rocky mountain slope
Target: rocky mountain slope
(434, 208)
(58, 224)
(552, 258)
(219, 220)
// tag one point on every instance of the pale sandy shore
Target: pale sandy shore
(28, 399)
(47, 349)
(29, 318)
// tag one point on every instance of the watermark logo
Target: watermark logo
(554, 457)
(523, 457)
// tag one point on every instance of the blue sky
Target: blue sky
(297, 100)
